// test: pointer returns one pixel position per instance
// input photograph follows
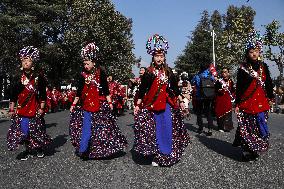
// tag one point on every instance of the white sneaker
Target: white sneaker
(154, 164)
(24, 155)
(221, 130)
(40, 155)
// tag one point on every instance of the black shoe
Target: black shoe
(245, 158)
(236, 143)
(199, 131)
(209, 133)
(84, 156)
(77, 153)
(255, 156)
(250, 157)
(23, 156)
(40, 153)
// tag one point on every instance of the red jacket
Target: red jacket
(90, 93)
(254, 99)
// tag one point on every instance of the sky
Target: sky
(176, 19)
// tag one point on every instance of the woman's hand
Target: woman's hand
(11, 113)
(72, 108)
(237, 110)
(136, 110)
(182, 105)
(110, 106)
(271, 102)
(40, 112)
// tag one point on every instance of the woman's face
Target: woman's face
(253, 54)
(27, 63)
(142, 71)
(88, 65)
(225, 73)
(109, 78)
(159, 58)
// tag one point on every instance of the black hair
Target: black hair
(227, 68)
(204, 66)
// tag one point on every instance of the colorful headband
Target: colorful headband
(29, 51)
(158, 42)
(254, 41)
(90, 51)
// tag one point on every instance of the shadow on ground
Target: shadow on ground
(190, 127)
(221, 147)
(105, 160)
(51, 125)
(3, 120)
(57, 142)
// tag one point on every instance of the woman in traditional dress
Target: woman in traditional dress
(93, 129)
(159, 129)
(223, 101)
(254, 93)
(28, 93)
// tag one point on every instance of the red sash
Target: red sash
(254, 99)
(90, 93)
(27, 103)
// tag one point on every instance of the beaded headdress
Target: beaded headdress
(90, 51)
(29, 51)
(159, 44)
(254, 41)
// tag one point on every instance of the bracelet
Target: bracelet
(11, 110)
(73, 105)
(109, 103)
(181, 102)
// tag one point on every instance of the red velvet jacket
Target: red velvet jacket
(156, 92)
(27, 103)
(156, 97)
(90, 93)
(223, 99)
(28, 90)
(254, 98)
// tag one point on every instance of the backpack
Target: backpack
(207, 88)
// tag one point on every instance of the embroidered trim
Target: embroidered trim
(256, 76)
(225, 86)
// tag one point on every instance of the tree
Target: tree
(274, 40)
(231, 33)
(28, 22)
(98, 21)
(238, 22)
(199, 49)
(59, 29)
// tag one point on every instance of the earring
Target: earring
(32, 68)
(21, 68)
